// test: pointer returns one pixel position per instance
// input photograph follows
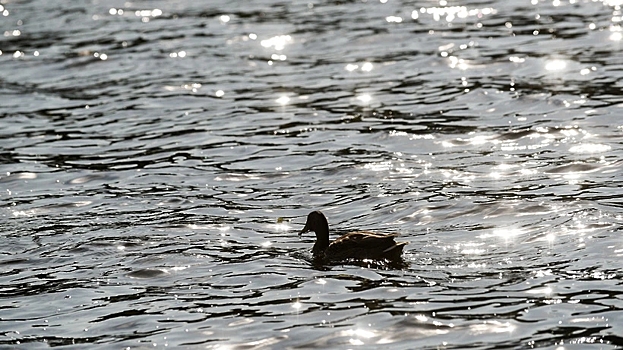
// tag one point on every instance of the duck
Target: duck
(354, 245)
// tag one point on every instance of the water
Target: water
(158, 159)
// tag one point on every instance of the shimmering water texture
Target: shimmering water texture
(158, 159)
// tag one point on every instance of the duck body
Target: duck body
(353, 245)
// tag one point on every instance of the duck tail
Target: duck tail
(395, 251)
(397, 245)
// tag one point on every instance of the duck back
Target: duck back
(365, 245)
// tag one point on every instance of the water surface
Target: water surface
(158, 159)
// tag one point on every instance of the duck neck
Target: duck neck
(322, 239)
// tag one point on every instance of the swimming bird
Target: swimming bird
(353, 245)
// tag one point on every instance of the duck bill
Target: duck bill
(305, 229)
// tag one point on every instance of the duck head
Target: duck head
(317, 222)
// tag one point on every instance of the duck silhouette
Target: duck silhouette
(353, 245)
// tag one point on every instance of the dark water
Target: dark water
(159, 157)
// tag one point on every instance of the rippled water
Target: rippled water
(158, 159)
